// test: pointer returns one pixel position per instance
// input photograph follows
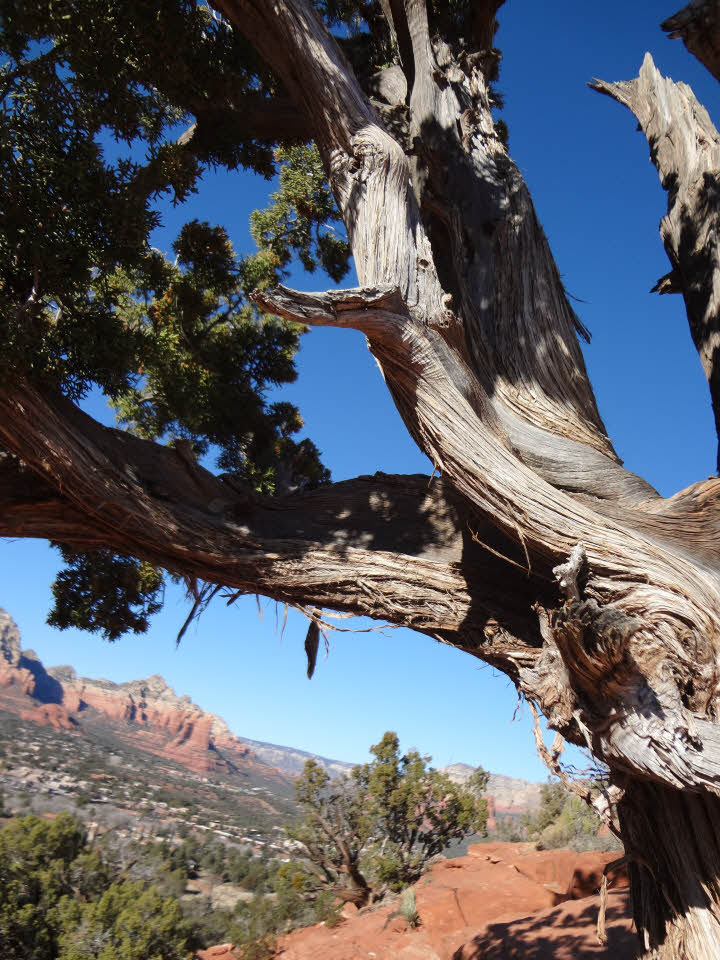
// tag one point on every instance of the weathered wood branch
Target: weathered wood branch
(698, 26)
(649, 623)
(401, 549)
(394, 12)
(489, 379)
(685, 148)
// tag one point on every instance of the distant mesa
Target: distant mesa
(9, 640)
(507, 795)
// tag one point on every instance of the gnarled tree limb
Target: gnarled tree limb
(394, 548)
(261, 118)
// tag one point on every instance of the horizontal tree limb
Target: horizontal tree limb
(400, 549)
(273, 119)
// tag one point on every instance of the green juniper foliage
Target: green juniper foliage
(88, 145)
(565, 820)
(107, 109)
(101, 591)
(390, 816)
(60, 901)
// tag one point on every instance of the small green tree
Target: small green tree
(130, 921)
(59, 900)
(35, 858)
(376, 828)
(565, 820)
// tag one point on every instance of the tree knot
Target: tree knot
(593, 641)
(570, 574)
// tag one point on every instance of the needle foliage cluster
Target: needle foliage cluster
(383, 822)
(95, 96)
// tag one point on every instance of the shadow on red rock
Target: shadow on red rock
(566, 932)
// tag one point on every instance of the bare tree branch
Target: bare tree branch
(262, 118)
(685, 148)
(391, 548)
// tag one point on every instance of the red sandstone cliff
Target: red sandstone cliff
(144, 713)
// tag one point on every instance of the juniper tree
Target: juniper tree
(599, 598)
(376, 828)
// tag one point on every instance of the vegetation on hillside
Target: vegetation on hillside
(562, 820)
(65, 898)
(59, 900)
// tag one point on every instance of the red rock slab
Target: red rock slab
(571, 875)
(460, 896)
(222, 952)
(567, 932)
(455, 901)
(52, 714)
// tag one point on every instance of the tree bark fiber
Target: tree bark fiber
(672, 839)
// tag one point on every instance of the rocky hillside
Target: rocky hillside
(502, 902)
(149, 716)
(510, 794)
(146, 714)
(292, 761)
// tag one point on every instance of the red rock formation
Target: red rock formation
(51, 714)
(222, 952)
(569, 875)
(144, 713)
(12, 673)
(477, 908)
(567, 932)
(492, 813)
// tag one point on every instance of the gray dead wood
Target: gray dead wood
(685, 148)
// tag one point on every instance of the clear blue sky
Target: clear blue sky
(600, 202)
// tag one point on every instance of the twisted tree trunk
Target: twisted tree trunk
(537, 551)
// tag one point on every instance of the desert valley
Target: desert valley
(137, 763)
